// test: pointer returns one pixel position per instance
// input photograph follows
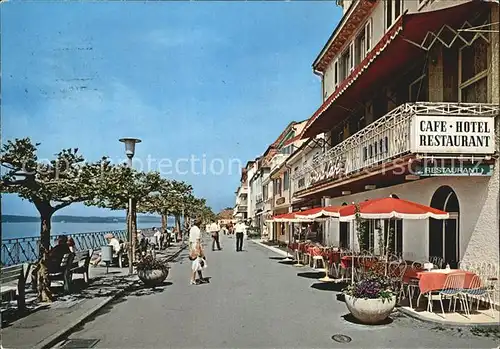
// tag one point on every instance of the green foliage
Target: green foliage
(150, 263)
(361, 228)
(117, 183)
(49, 185)
(372, 287)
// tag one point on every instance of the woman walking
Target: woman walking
(198, 262)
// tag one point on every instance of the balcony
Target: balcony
(277, 160)
(421, 128)
(268, 204)
(241, 208)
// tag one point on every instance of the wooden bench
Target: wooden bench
(12, 275)
(81, 263)
(64, 272)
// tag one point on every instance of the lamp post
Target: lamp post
(130, 151)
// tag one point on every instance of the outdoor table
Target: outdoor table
(329, 257)
(434, 280)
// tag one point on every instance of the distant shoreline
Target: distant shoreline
(77, 219)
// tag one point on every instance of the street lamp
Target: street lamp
(130, 151)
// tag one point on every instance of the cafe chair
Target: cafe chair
(453, 289)
(479, 292)
(412, 287)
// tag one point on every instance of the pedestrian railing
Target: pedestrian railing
(22, 250)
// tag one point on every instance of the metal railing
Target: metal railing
(23, 250)
(387, 138)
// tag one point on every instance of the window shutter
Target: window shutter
(336, 73)
(351, 57)
(368, 35)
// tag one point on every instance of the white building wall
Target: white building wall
(251, 193)
(479, 214)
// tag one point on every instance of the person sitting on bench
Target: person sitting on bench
(54, 259)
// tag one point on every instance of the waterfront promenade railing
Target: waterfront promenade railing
(22, 250)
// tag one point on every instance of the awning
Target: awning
(396, 49)
(383, 208)
(289, 218)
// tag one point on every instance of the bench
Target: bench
(81, 263)
(64, 272)
(12, 275)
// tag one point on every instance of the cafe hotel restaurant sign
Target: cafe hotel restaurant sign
(453, 135)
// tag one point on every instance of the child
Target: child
(198, 263)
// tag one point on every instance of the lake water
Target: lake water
(27, 229)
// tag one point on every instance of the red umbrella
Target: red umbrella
(386, 208)
(329, 211)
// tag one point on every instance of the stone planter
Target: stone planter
(370, 311)
(152, 277)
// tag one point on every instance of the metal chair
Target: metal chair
(453, 288)
(412, 285)
(478, 292)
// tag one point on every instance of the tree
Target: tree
(122, 183)
(49, 186)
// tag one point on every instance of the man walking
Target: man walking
(214, 230)
(240, 232)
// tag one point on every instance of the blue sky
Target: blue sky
(213, 80)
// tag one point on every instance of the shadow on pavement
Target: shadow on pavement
(353, 320)
(11, 315)
(289, 262)
(311, 274)
(277, 258)
(328, 286)
(146, 290)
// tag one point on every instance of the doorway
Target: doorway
(444, 235)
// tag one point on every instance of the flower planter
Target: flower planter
(370, 311)
(152, 277)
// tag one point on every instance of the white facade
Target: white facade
(252, 199)
(478, 229)
(377, 145)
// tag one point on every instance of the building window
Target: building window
(368, 35)
(393, 9)
(301, 183)
(336, 73)
(345, 60)
(360, 47)
(474, 72)
(265, 192)
(419, 90)
(286, 180)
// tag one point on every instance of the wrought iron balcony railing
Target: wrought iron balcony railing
(409, 128)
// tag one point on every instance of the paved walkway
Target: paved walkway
(253, 301)
(47, 322)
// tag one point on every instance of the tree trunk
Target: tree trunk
(45, 227)
(178, 227)
(164, 222)
(42, 275)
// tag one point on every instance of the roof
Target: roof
(356, 14)
(387, 58)
(225, 214)
(291, 140)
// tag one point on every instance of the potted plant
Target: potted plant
(371, 300)
(152, 271)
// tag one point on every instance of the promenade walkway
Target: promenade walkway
(46, 323)
(253, 301)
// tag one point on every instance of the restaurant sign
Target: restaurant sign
(280, 201)
(330, 169)
(458, 170)
(458, 135)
